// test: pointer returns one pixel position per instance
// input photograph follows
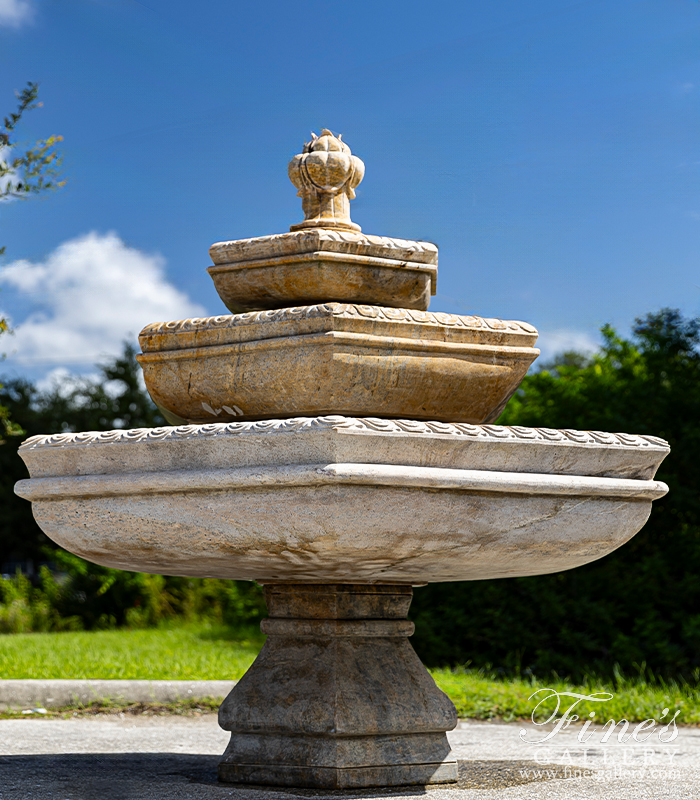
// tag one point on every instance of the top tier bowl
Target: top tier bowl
(325, 258)
(320, 265)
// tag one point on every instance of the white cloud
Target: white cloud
(8, 177)
(554, 342)
(88, 296)
(14, 13)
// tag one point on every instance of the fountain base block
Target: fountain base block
(343, 763)
(337, 697)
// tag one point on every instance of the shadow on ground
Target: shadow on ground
(171, 776)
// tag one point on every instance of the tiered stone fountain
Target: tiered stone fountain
(329, 443)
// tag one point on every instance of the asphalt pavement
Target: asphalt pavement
(125, 757)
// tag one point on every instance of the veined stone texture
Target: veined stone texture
(343, 500)
(339, 439)
(337, 697)
(335, 358)
(324, 258)
(398, 322)
(331, 241)
(320, 265)
(326, 175)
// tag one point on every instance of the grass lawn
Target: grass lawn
(199, 652)
(185, 652)
(479, 695)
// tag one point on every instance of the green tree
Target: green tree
(116, 400)
(641, 604)
(7, 426)
(31, 170)
(24, 172)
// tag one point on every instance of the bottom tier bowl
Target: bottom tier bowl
(338, 517)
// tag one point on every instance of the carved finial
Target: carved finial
(326, 174)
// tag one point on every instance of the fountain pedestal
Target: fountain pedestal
(337, 697)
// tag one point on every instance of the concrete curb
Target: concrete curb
(56, 693)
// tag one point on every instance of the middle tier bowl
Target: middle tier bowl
(335, 358)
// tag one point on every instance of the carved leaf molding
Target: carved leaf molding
(401, 315)
(365, 424)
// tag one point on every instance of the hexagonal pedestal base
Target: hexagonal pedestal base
(337, 697)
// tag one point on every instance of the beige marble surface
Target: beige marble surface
(345, 440)
(340, 242)
(337, 697)
(335, 358)
(320, 265)
(326, 174)
(173, 501)
(324, 258)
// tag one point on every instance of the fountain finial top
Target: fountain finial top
(326, 175)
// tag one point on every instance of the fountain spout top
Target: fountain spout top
(326, 175)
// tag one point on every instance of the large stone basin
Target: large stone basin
(338, 517)
(337, 499)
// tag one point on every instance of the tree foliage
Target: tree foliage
(24, 172)
(34, 169)
(115, 400)
(639, 605)
(7, 426)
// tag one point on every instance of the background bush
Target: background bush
(641, 604)
(89, 597)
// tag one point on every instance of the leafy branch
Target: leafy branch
(30, 171)
(25, 172)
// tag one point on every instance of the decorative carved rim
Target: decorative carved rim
(351, 310)
(425, 252)
(359, 425)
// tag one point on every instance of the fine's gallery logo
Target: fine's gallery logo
(664, 728)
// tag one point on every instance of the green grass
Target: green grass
(188, 652)
(188, 708)
(480, 695)
(201, 652)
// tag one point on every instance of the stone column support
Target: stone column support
(337, 697)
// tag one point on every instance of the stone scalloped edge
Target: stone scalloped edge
(351, 310)
(365, 424)
(329, 235)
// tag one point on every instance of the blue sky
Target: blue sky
(550, 149)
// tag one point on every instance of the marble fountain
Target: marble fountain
(332, 440)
